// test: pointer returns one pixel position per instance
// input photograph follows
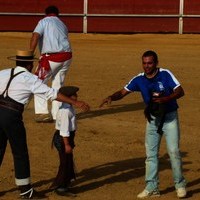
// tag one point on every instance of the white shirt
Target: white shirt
(25, 84)
(53, 35)
(66, 120)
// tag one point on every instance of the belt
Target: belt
(52, 53)
(11, 106)
(48, 54)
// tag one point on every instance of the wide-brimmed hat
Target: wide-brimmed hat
(23, 55)
(68, 90)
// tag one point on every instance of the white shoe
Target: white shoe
(145, 193)
(181, 192)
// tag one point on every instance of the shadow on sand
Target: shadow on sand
(112, 109)
(113, 172)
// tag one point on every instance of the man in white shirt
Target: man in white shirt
(16, 86)
(51, 34)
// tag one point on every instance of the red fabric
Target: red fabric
(44, 66)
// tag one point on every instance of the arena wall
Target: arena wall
(106, 16)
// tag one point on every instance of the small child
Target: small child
(63, 140)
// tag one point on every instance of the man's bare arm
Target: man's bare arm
(114, 97)
(34, 41)
(177, 93)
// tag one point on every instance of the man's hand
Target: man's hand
(115, 97)
(82, 105)
(177, 93)
(107, 101)
(161, 99)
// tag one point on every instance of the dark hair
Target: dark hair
(52, 9)
(23, 63)
(151, 53)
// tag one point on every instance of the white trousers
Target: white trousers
(57, 76)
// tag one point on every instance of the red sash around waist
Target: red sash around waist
(44, 66)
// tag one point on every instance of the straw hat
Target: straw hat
(22, 55)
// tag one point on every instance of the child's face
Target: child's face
(74, 97)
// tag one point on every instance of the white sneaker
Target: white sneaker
(181, 192)
(145, 193)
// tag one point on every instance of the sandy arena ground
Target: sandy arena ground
(110, 151)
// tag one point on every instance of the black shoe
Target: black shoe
(32, 194)
(64, 192)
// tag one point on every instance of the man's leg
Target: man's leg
(172, 135)
(17, 139)
(3, 144)
(59, 73)
(152, 144)
(16, 135)
(41, 105)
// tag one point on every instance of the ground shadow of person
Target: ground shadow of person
(35, 185)
(2, 193)
(190, 193)
(111, 110)
(112, 172)
(192, 183)
(115, 172)
(189, 183)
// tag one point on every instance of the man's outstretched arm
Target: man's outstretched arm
(114, 97)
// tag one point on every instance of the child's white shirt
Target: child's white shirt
(66, 120)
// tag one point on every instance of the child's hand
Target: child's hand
(68, 148)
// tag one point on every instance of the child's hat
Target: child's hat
(68, 90)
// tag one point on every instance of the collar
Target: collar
(67, 105)
(154, 75)
(20, 69)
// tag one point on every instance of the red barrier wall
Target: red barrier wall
(128, 25)
(38, 6)
(104, 24)
(28, 23)
(133, 6)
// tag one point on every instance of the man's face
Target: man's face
(149, 65)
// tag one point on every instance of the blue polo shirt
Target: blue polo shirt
(164, 81)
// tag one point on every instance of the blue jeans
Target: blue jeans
(152, 144)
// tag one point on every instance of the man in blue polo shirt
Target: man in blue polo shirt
(160, 91)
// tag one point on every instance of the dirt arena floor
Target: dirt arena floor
(109, 152)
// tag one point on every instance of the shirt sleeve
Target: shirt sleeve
(132, 85)
(42, 90)
(172, 80)
(64, 120)
(39, 28)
